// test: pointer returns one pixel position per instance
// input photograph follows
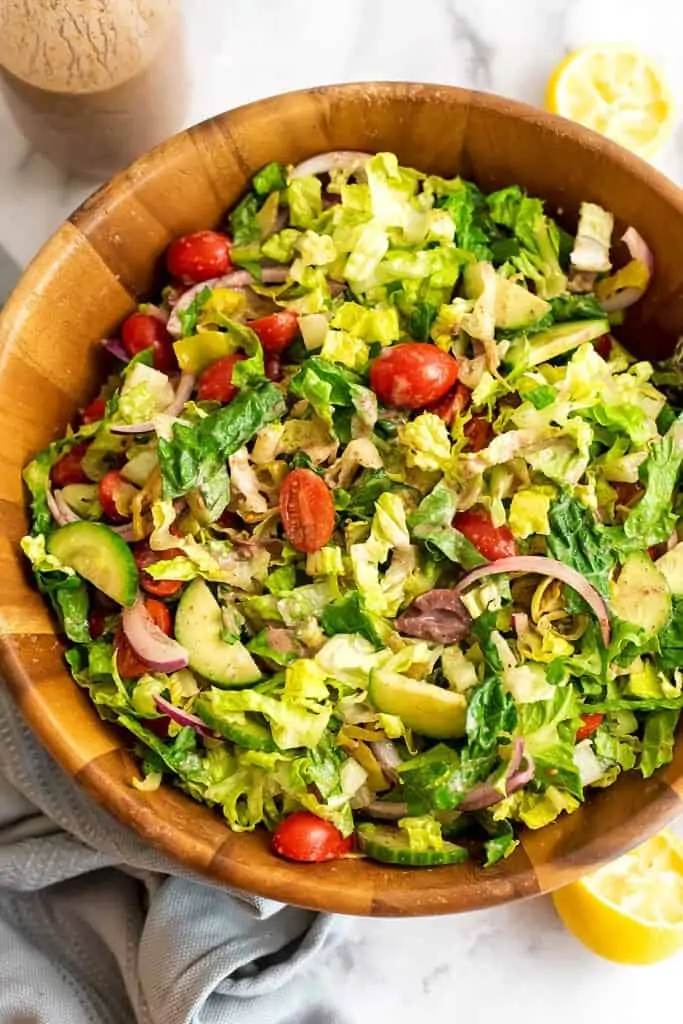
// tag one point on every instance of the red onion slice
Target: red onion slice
(638, 250)
(520, 622)
(183, 717)
(622, 300)
(182, 394)
(545, 567)
(59, 510)
(479, 797)
(237, 280)
(115, 348)
(520, 778)
(337, 160)
(162, 653)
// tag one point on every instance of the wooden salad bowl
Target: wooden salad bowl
(91, 274)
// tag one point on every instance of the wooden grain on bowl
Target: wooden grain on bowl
(92, 273)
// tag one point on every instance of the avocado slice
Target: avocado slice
(198, 629)
(641, 594)
(516, 307)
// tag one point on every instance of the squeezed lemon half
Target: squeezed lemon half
(617, 91)
(630, 911)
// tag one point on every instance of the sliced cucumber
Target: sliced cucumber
(424, 707)
(641, 594)
(198, 629)
(238, 726)
(391, 846)
(100, 556)
(83, 499)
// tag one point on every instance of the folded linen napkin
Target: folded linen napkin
(97, 928)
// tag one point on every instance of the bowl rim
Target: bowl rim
(326, 894)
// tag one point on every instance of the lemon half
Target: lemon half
(630, 911)
(617, 91)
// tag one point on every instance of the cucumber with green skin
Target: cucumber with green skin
(391, 846)
(641, 594)
(198, 628)
(238, 726)
(100, 556)
(425, 708)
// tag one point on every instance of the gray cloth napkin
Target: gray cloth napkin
(97, 928)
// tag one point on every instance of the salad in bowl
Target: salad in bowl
(373, 535)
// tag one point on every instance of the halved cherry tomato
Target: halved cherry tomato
(97, 622)
(68, 469)
(198, 257)
(493, 541)
(94, 411)
(307, 510)
(603, 345)
(141, 331)
(412, 375)
(272, 364)
(591, 722)
(306, 837)
(215, 384)
(276, 331)
(452, 404)
(159, 726)
(129, 664)
(116, 495)
(144, 557)
(479, 433)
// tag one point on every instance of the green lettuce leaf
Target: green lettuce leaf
(195, 455)
(329, 385)
(578, 540)
(271, 178)
(292, 724)
(653, 519)
(658, 740)
(348, 615)
(431, 525)
(538, 235)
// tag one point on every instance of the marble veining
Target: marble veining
(515, 963)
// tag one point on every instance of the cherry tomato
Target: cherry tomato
(215, 384)
(94, 411)
(68, 469)
(116, 495)
(160, 614)
(479, 433)
(97, 622)
(306, 837)
(452, 404)
(141, 331)
(144, 557)
(307, 510)
(603, 345)
(590, 724)
(273, 366)
(412, 375)
(493, 541)
(129, 664)
(276, 331)
(198, 257)
(159, 726)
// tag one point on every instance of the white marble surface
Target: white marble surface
(517, 963)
